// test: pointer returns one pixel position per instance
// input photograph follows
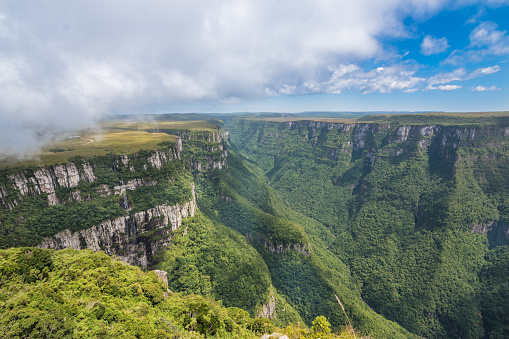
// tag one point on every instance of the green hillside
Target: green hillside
(405, 220)
(82, 294)
(419, 220)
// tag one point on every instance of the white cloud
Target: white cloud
(485, 41)
(381, 79)
(484, 89)
(486, 35)
(66, 63)
(446, 88)
(461, 74)
(431, 45)
(484, 71)
(443, 78)
(410, 90)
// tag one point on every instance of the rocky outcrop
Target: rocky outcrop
(48, 179)
(212, 155)
(67, 175)
(491, 227)
(274, 336)
(276, 248)
(133, 238)
(163, 276)
(210, 162)
(6, 204)
(88, 173)
(482, 227)
(360, 136)
(281, 248)
(156, 159)
(268, 310)
(497, 232)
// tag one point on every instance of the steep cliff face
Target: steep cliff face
(134, 238)
(203, 150)
(404, 203)
(48, 179)
(105, 187)
(155, 159)
(134, 201)
(210, 162)
(211, 152)
(278, 248)
(340, 141)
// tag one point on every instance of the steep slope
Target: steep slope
(411, 209)
(406, 223)
(81, 294)
(134, 206)
(292, 246)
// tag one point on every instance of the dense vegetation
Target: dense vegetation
(444, 119)
(82, 294)
(414, 224)
(307, 276)
(407, 225)
(33, 219)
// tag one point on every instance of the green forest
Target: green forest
(82, 294)
(420, 222)
(397, 228)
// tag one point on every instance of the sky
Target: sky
(68, 63)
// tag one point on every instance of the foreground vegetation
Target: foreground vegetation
(408, 231)
(82, 294)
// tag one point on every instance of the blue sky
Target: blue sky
(469, 75)
(65, 64)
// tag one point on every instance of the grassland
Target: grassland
(469, 114)
(119, 137)
(438, 118)
(165, 124)
(288, 118)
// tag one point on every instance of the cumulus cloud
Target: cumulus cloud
(484, 89)
(461, 74)
(67, 63)
(446, 88)
(431, 45)
(484, 71)
(381, 79)
(485, 40)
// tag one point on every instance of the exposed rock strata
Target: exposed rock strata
(269, 309)
(163, 276)
(210, 163)
(482, 228)
(47, 179)
(156, 159)
(126, 236)
(282, 248)
(371, 140)
(219, 161)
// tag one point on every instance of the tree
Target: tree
(321, 325)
